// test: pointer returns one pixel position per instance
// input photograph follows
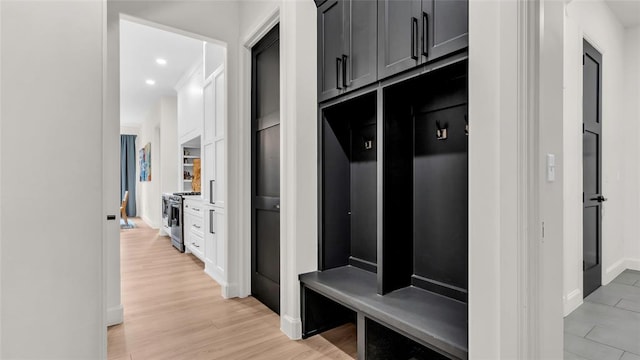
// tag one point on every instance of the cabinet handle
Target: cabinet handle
(425, 34)
(414, 42)
(211, 222)
(344, 71)
(196, 209)
(338, 66)
(196, 226)
(211, 192)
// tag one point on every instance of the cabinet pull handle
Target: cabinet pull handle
(211, 192)
(211, 222)
(338, 68)
(195, 209)
(425, 34)
(196, 226)
(344, 71)
(414, 42)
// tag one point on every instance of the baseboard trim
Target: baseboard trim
(613, 271)
(227, 290)
(115, 315)
(149, 222)
(633, 264)
(572, 301)
(230, 290)
(292, 327)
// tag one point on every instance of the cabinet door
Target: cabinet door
(398, 35)
(215, 244)
(208, 167)
(330, 49)
(361, 17)
(210, 241)
(219, 177)
(209, 112)
(446, 25)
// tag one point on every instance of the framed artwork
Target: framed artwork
(145, 162)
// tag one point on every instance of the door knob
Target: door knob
(277, 206)
(599, 198)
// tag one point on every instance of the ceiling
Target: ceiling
(627, 11)
(140, 46)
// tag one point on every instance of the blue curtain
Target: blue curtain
(128, 171)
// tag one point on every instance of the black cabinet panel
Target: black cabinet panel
(336, 226)
(330, 48)
(447, 26)
(441, 197)
(397, 245)
(360, 41)
(363, 192)
(398, 35)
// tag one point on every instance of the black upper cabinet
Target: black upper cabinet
(414, 32)
(330, 48)
(447, 26)
(346, 46)
(399, 38)
(361, 41)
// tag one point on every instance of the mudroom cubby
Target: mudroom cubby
(425, 194)
(349, 181)
(393, 192)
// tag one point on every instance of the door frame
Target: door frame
(111, 121)
(246, 176)
(254, 160)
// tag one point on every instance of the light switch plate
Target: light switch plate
(551, 167)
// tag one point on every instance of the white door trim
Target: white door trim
(244, 141)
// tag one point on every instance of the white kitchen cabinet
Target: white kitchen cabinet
(214, 144)
(193, 227)
(190, 103)
(215, 247)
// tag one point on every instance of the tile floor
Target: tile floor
(607, 325)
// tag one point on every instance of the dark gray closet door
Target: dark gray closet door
(592, 168)
(361, 43)
(265, 162)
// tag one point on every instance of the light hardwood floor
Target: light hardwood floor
(173, 310)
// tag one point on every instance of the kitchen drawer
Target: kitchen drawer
(193, 207)
(196, 226)
(197, 245)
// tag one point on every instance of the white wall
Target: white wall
(169, 156)
(159, 129)
(632, 71)
(298, 109)
(130, 130)
(52, 211)
(592, 20)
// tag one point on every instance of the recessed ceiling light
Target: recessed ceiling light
(161, 61)
(150, 82)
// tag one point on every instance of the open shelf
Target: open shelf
(349, 180)
(426, 183)
(432, 320)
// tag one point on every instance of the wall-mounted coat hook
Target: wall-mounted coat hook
(441, 132)
(368, 144)
(466, 125)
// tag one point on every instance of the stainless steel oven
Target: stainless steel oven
(175, 220)
(166, 211)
